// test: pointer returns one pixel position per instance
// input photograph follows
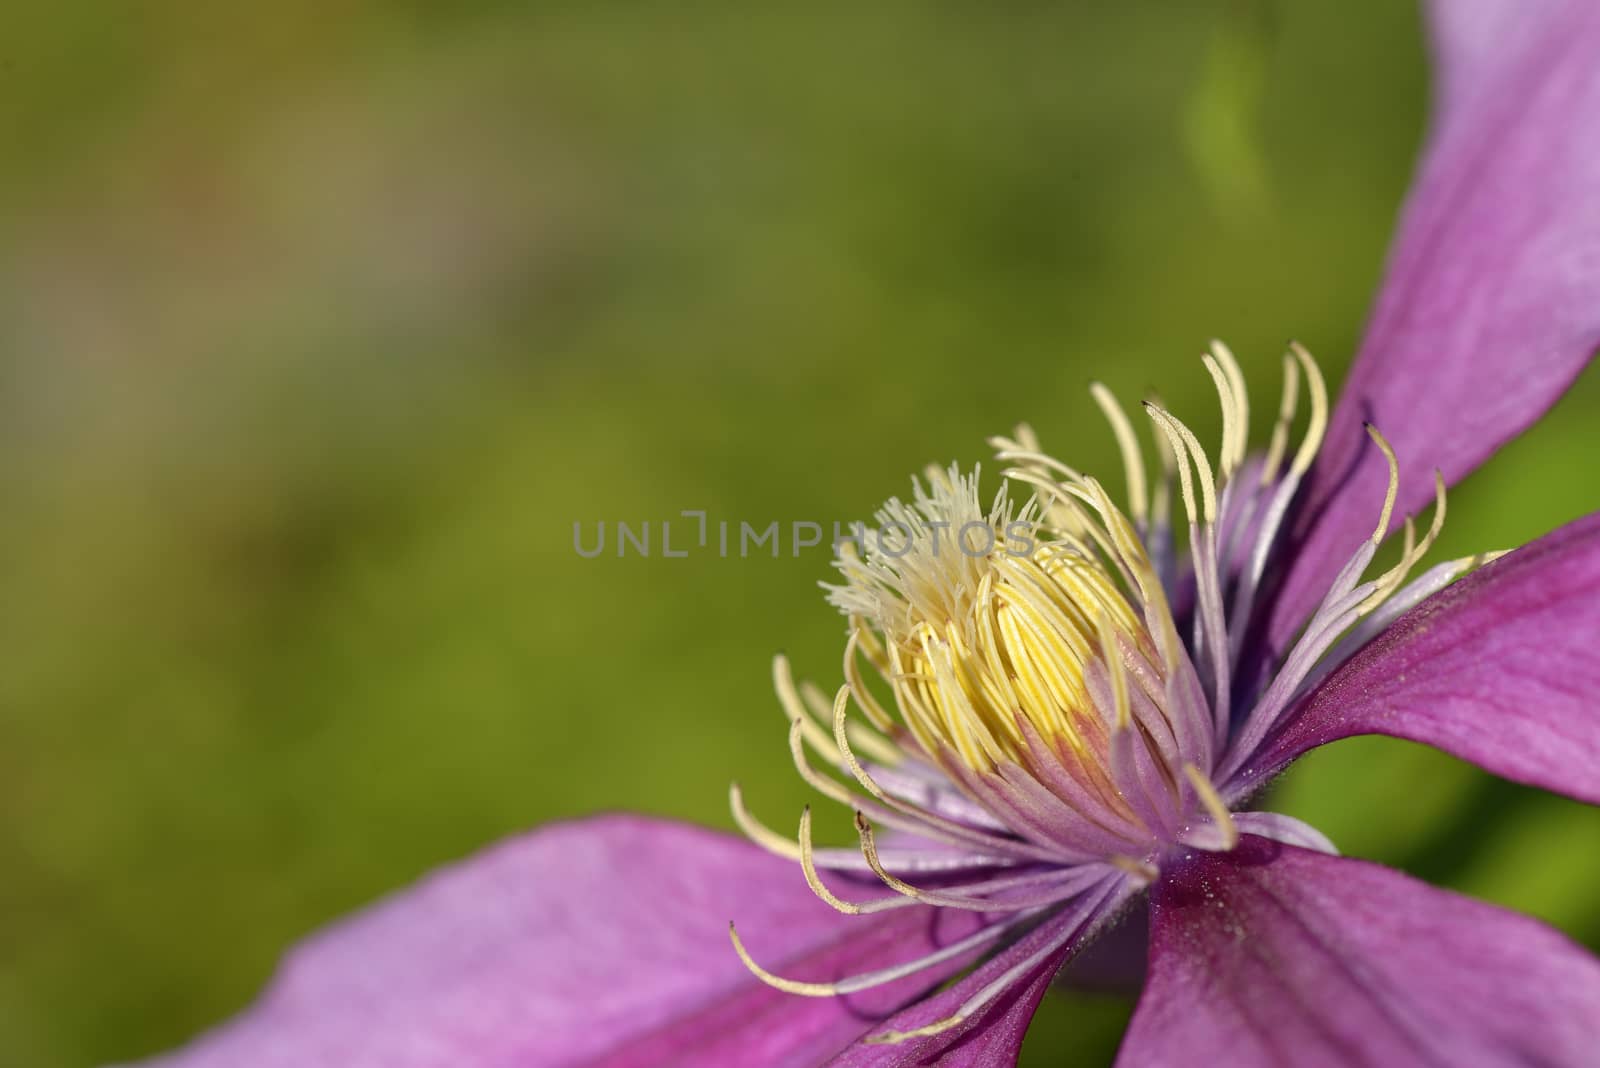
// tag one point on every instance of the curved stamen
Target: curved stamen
(1161, 496)
(1065, 498)
(875, 745)
(933, 791)
(1128, 443)
(1146, 581)
(1141, 872)
(1429, 583)
(1331, 617)
(1318, 426)
(1390, 580)
(849, 908)
(1346, 603)
(1214, 805)
(1006, 449)
(863, 639)
(868, 980)
(1061, 882)
(796, 712)
(1180, 458)
(755, 830)
(892, 812)
(1272, 521)
(1394, 483)
(1211, 638)
(1227, 459)
(1279, 442)
(907, 818)
(1229, 379)
(1075, 922)
(1183, 440)
(1115, 667)
(959, 897)
(913, 861)
(1241, 426)
(841, 708)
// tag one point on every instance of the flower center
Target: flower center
(1033, 654)
(1054, 738)
(990, 639)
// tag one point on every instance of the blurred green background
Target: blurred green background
(320, 324)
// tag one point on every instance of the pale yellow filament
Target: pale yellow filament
(1214, 805)
(1318, 426)
(1280, 429)
(1128, 443)
(1394, 484)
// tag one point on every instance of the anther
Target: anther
(1214, 805)
(1394, 483)
(1128, 442)
(809, 867)
(1241, 440)
(1183, 440)
(788, 986)
(1280, 429)
(1318, 426)
(1142, 870)
(794, 707)
(755, 830)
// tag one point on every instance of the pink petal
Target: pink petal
(598, 942)
(1488, 309)
(1502, 669)
(1273, 955)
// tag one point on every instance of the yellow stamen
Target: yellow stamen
(869, 850)
(1157, 613)
(1027, 438)
(1319, 410)
(809, 867)
(755, 830)
(795, 710)
(1128, 442)
(868, 741)
(1241, 424)
(894, 1038)
(1394, 484)
(1119, 676)
(825, 786)
(1074, 528)
(970, 645)
(1161, 499)
(788, 986)
(864, 640)
(1183, 440)
(841, 734)
(1414, 551)
(1180, 456)
(1280, 429)
(1229, 413)
(1140, 869)
(1214, 805)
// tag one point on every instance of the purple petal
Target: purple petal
(1502, 669)
(1488, 308)
(1274, 955)
(600, 942)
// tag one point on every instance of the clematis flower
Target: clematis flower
(1052, 715)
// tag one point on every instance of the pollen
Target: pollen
(1038, 638)
(991, 626)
